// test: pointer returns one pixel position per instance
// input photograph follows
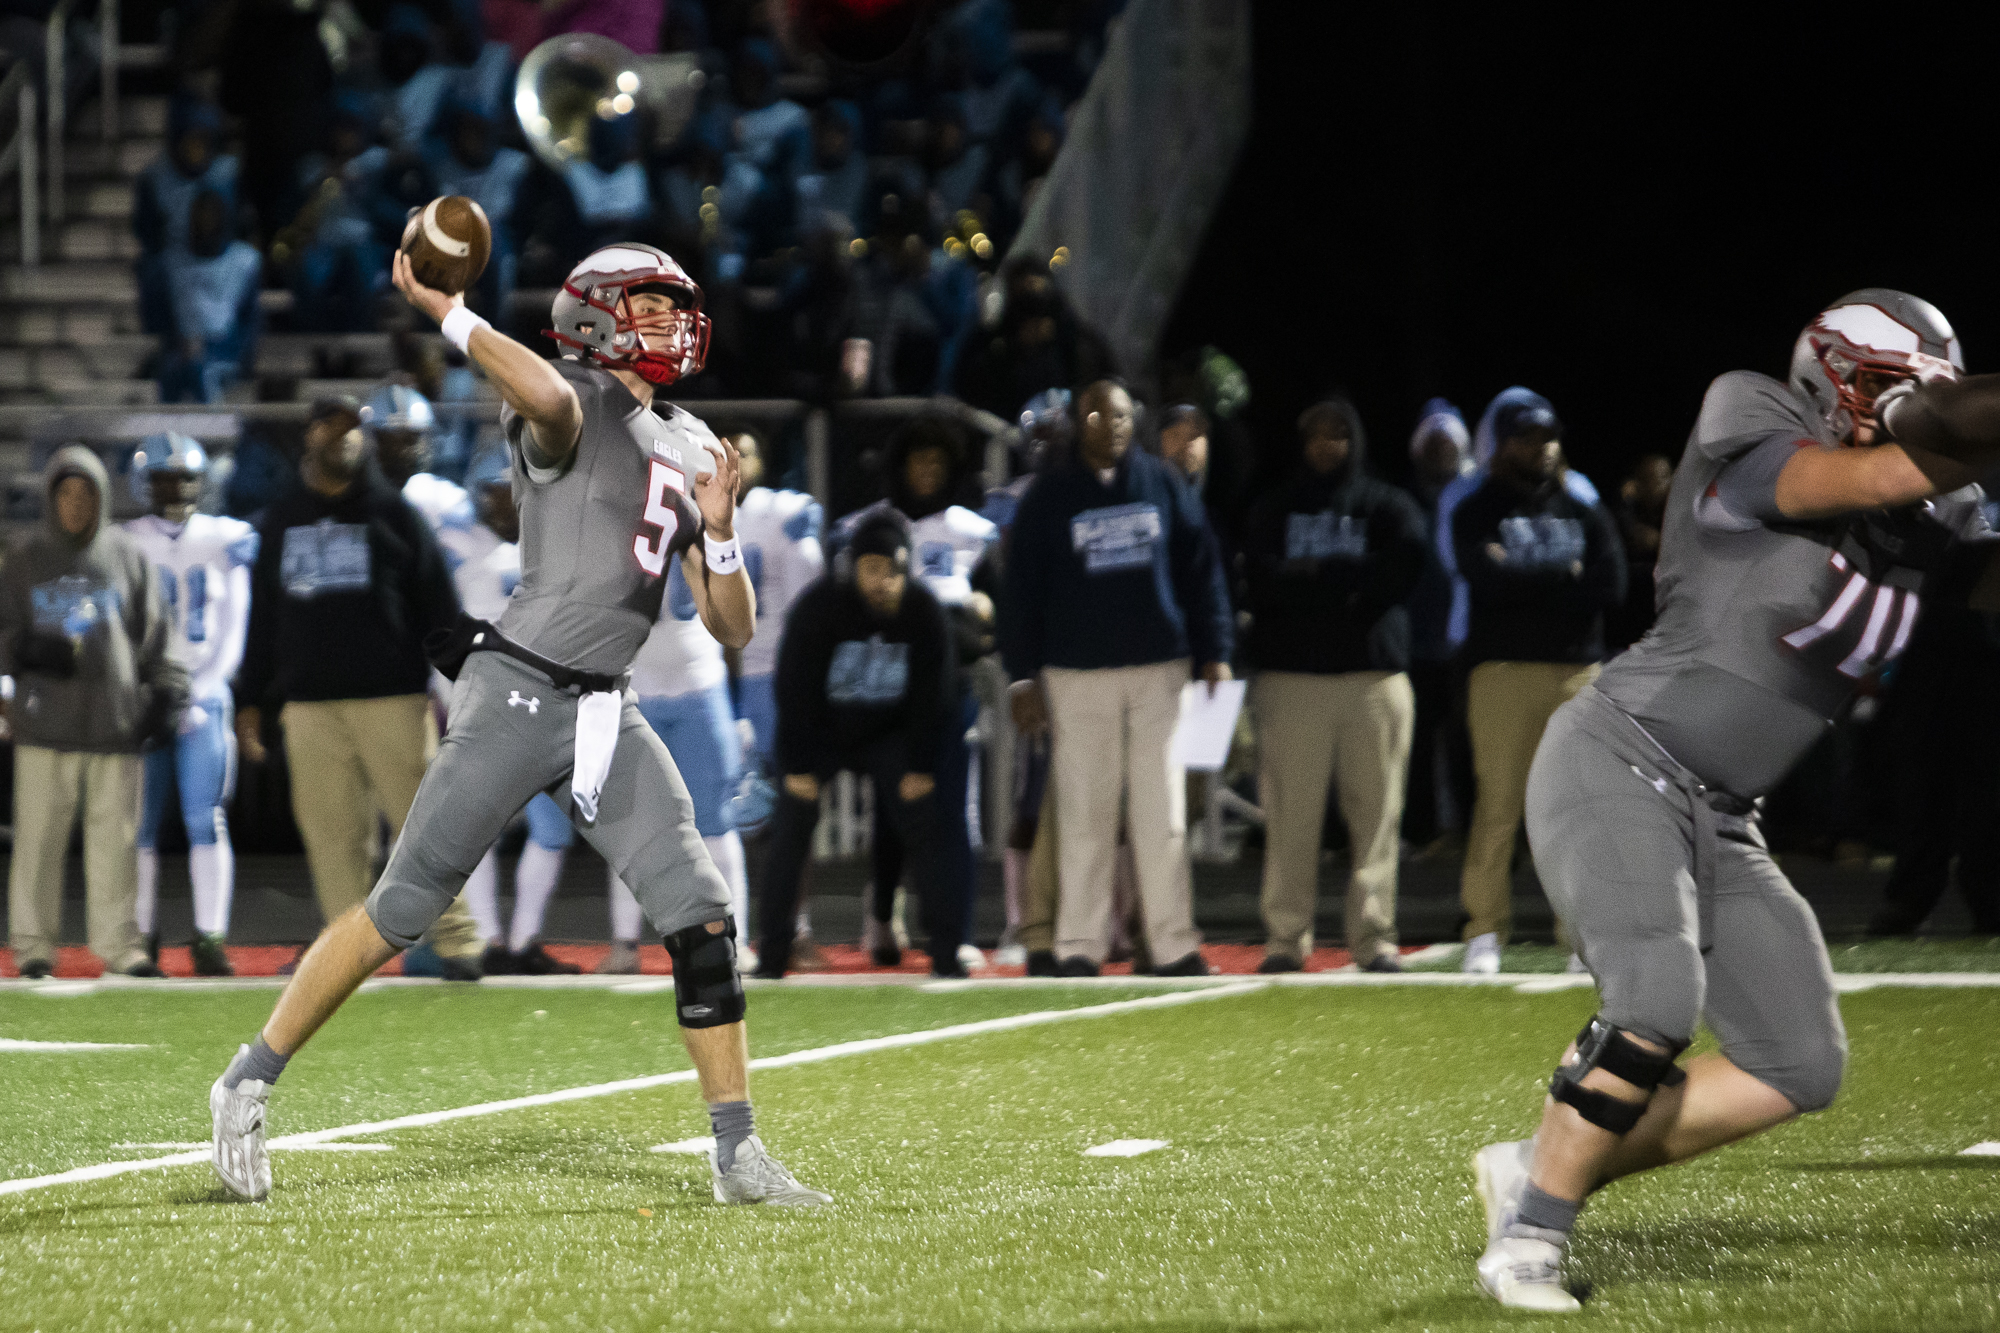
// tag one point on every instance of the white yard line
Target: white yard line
(1125, 1148)
(812, 1055)
(1991, 1148)
(15, 1044)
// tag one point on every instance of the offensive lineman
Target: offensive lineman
(204, 562)
(611, 490)
(1799, 529)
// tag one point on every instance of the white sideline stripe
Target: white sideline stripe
(303, 1147)
(693, 1147)
(1125, 1148)
(16, 1044)
(812, 1055)
(1987, 1149)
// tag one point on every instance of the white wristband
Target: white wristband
(458, 326)
(723, 557)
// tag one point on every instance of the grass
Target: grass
(1971, 954)
(1315, 1179)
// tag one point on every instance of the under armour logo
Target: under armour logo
(514, 700)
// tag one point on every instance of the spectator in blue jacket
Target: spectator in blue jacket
(1114, 598)
(164, 195)
(212, 290)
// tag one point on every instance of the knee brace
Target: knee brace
(1602, 1046)
(707, 991)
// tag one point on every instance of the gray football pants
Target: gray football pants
(513, 734)
(1612, 824)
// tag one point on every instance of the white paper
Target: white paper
(1207, 725)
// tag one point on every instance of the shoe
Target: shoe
(423, 960)
(236, 1141)
(950, 971)
(1279, 962)
(497, 961)
(880, 942)
(145, 971)
(886, 955)
(1042, 963)
(1194, 965)
(969, 956)
(1526, 1274)
(622, 961)
(746, 958)
(1500, 1173)
(535, 961)
(754, 1176)
(153, 947)
(1010, 955)
(1076, 967)
(36, 969)
(1482, 955)
(1383, 962)
(211, 956)
(807, 956)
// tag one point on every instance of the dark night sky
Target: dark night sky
(1612, 212)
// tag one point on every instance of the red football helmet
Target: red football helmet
(593, 314)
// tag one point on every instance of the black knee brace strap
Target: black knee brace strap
(1602, 1046)
(707, 991)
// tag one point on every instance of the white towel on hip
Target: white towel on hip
(597, 718)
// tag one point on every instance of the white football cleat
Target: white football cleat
(1501, 1171)
(236, 1147)
(969, 957)
(1011, 955)
(1526, 1274)
(754, 1176)
(1482, 954)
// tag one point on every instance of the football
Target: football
(448, 241)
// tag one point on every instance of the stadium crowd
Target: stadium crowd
(1003, 657)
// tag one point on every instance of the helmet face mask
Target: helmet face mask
(1862, 345)
(596, 316)
(168, 472)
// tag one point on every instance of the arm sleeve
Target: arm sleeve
(1023, 607)
(214, 678)
(800, 688)
(258, 675)
(1199, 584)
(1959, 419)
(932, 683)
(1743, 493)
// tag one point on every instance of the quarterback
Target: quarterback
(613, 487)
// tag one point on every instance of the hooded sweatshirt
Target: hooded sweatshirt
(1331, 559)
(84, 630)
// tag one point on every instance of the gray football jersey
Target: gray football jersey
(1768, 627)
(598, 533)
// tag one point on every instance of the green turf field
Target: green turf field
(1316, 1174)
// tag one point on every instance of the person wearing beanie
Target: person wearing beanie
(1440, 786)
(84, 632)
(864, 684)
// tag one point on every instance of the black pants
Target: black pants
(885, 762)
(1440, 785)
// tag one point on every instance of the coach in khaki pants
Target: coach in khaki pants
(1331, 556)
(1114, 599)
(348, 581)
(83, 630)
(1541, 567)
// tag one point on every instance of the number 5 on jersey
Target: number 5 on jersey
(660, 517)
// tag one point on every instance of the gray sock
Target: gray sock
(1543, 1216)
(259, 1062)
(733, 1123)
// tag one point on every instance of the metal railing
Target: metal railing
(18, 90)
(112, 56)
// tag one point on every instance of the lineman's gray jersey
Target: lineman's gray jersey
(598, 533)
(1767, 627)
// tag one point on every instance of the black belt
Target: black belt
(1709, 807)
(448, 649)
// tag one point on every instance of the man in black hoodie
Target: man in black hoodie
(1331, 556)
(1542, 568)
(83, 631)
(864, 683)
(348, 581)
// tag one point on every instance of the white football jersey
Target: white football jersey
(210, 611)
(680, 656)
(484, 568)
(445, 505)
(779, 531)
(946, 547)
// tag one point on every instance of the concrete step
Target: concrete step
(70, 282)
(69, 367)
(101, 239)
(139, 116)
(85, 322)
(97, 197)
(126, 158)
